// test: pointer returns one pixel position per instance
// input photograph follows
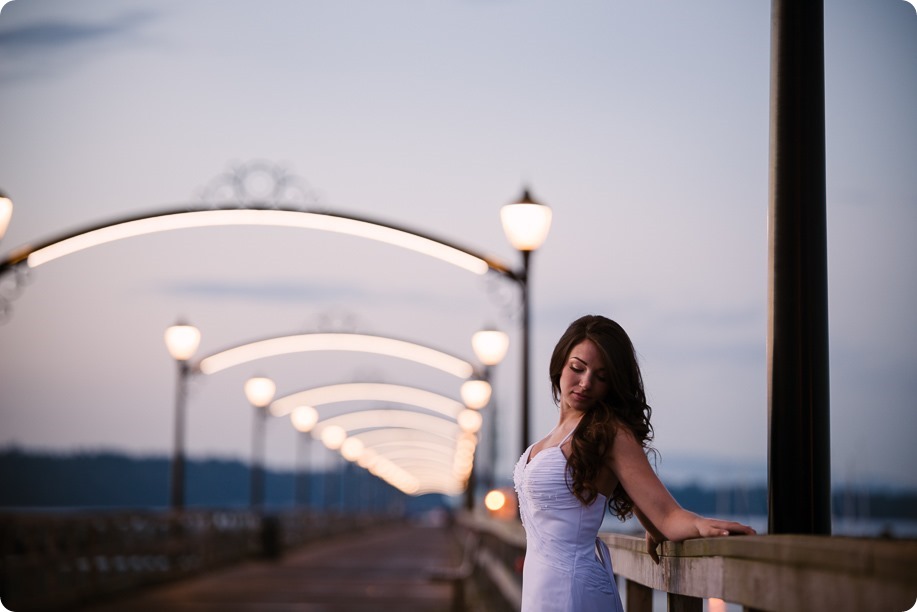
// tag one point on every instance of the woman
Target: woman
(595, 456)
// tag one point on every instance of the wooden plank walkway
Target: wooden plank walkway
(382, 569)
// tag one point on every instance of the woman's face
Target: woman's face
(584, 378)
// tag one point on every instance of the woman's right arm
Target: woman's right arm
(653, 536)
(654, 505)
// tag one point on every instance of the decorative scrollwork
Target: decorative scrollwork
(505, 295)
(337, 319)
(12, 283)
(259, 183)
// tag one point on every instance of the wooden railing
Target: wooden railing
(56, 561)
(51, 561)
(783, 573)
(497, 571)
(772, 572)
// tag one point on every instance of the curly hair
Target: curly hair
(623, 406)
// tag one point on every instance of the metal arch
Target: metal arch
(22, 254)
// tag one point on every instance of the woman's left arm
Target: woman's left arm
(653, 503)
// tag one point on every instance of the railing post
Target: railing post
(684, 603)
(639, 597)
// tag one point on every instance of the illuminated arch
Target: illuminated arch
(372, 419)
(407, 455)
(445, 489)
(378, 345)
(421, 479)
(418, 463)
(412, 456)
(388, 435)
(381, 392)
(403, 474)
(423, 473)
(393, 448)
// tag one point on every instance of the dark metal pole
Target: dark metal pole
(473, 476)
(492, 433)
(257, 472)
(524, 284)
(178, 454)
(799, 476)
(470, 487)
(302, 493)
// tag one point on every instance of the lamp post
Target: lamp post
(182, 341)
(476, 393)
(333, 438)
(259, 391)
(490, 346)
(526, 224)
(304, 419)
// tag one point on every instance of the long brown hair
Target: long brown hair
(623, 406)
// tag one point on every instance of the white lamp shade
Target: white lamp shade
(6, 213)
(470, 420)
(304, 418)
(333, 436)
(490, 346)
(476, 393)
(366, 458)
(526, 223)
(259, 391)
(182, 340)
(351, 449)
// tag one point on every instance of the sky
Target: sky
(644, 125)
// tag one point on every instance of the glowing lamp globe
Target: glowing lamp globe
(182, 341)
(333, 436)
(495, 500)
(260, 391)
(351, 449)
(470, 420)
(6, 213)
(476, 393)
(490, 346)
(304, 418)
(526, 222)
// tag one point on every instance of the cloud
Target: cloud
(264, 291)
(34, 49)
(60, 34)
(730, 333)
(281, 291)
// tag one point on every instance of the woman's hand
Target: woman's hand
(711, 528)
(652, 546)
(706, 528)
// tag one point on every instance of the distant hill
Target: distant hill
(112, 480)
(31, 479)
(681, 469)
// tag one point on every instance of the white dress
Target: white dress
(567, 568)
